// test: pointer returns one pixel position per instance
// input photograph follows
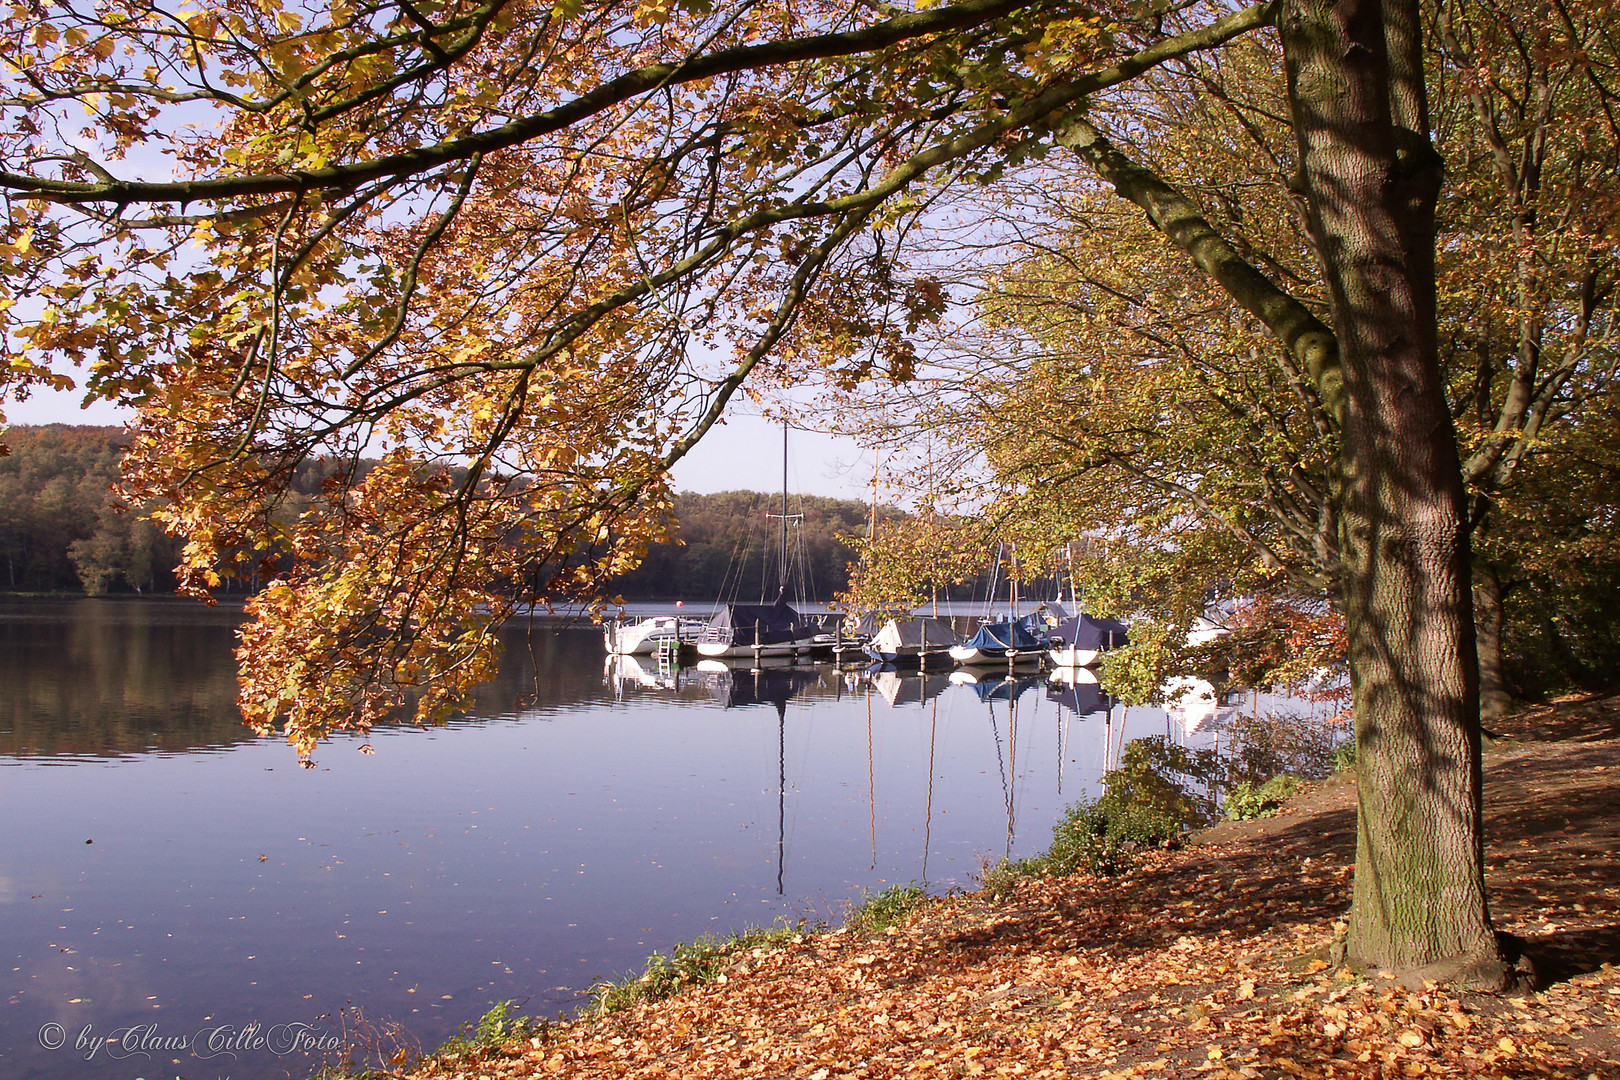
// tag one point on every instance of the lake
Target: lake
(177, 886)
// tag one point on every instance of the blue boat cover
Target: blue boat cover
(996, 638)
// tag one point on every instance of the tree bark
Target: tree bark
(1371, 178)
(1495, 701)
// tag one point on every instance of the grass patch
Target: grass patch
(1344, 754)
(879, 911)
(691, 964)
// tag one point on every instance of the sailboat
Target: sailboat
(1079, 642)
(764, 630)
(911, 641)
(998, 643)
(1008, 642)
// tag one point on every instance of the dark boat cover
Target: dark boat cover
(996, 638)
(860, 627)
(759, 624)
(1089, 632)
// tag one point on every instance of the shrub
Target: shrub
(1246, 802)
(1100, 837)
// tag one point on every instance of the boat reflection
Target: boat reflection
(1077, 690)
(996, 686)
(904, 686)
(735, 685)
(624, 672)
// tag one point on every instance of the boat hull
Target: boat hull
(643, 638)
(903, 657)
(968, 656)
(1073, 658)
(720, 650)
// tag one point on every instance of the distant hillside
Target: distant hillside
(732, 549)
(60, 531)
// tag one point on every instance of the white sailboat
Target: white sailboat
(642, 638)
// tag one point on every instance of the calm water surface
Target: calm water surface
(165, 877)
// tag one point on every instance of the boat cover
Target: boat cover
(996, 638)
(861, 627)
(1089, 632)
(774, 624)
(913, 634)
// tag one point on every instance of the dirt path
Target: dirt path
(1197, 963)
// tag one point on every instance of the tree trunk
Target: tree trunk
(1371, 178)
(1495, 701)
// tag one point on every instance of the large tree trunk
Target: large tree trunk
(1371, 177)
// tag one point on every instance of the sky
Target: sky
(742, 453)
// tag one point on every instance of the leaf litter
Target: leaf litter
(1209, 962)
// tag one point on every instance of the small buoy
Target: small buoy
(89, 841)
(680, 603)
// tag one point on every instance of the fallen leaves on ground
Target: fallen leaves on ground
(1207, 962)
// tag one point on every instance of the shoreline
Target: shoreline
(1209, 961)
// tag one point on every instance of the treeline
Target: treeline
(62, 529)
(732, 549)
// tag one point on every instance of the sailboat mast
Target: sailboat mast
(784, 507)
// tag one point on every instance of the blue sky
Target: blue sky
(745, 452)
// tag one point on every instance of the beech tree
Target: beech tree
(524, 253)
(1143, 411)
(1111, 390)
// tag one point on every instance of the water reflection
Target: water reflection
(741, 684)
(106, 678)
(900, 688)
(578, 818)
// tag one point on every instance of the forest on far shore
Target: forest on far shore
(63, 530)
